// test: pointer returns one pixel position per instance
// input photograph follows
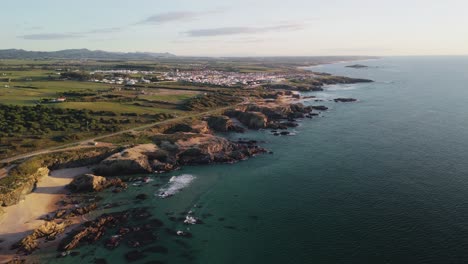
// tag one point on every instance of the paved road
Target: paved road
(87, 142)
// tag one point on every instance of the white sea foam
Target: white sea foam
(342, 87)
(175, 185)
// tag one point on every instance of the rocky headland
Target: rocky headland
(166, 148)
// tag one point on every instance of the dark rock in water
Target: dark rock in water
(170, 232)
(184, 234)
(221, 219)
(142, 196)
(182, 243)
(113, 242)
(143, 236)
(230, 227)
(285, 133)
(74, 253)
(253, 217)
(100, 261)
(357, 66)
(92, 231)
(140, 214)
(156, 222)
(206, 215)
(320, 107)
(157, 249)
(133, 244)
(134, 255)
(276, 134)
(290, 124)
(155, 262)
(344, 100)
(187, 256)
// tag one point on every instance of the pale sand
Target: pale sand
(21, 219)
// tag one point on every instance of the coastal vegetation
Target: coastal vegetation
(146, 121)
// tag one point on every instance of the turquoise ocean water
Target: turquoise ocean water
(383, 180)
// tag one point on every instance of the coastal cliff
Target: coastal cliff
(23, 179)
(170, 151)
(19, 190)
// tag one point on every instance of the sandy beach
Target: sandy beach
(20, 219)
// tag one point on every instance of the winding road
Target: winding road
(87, 142)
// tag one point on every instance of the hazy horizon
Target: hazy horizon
(241, 28)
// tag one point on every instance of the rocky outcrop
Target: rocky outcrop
(344, 100)
(48, 230)
(357, 66)
(252, 120)
(219, 123)
(206, 149)
(25, 186)
(81, 158)
(223, 123)
(179, 128)
(129, 161)
(277, 112)
(93, 183)
(320, 107)
(177, 150)
(92, 231)
(133, 227)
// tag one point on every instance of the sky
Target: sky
(239, 28)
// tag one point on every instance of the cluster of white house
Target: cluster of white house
(250, 79)
(210, 77)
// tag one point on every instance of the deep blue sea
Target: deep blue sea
(382, 180)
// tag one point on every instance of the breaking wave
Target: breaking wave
(175, 185)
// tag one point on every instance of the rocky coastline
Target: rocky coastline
(193, 142)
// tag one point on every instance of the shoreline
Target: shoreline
(337, 62)
(21, 219)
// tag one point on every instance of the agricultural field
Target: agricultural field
(34, 118)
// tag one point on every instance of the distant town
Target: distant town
(205, 77)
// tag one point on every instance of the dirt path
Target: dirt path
(87, 142)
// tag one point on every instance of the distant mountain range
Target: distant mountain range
(81, 54)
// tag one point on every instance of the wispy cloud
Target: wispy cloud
(50, 36)
(103, 30)
(169, 17)
(177, 16)
(70, 35)
(152, 20)
(242, 30)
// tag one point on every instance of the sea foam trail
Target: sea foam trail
(175, 185)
